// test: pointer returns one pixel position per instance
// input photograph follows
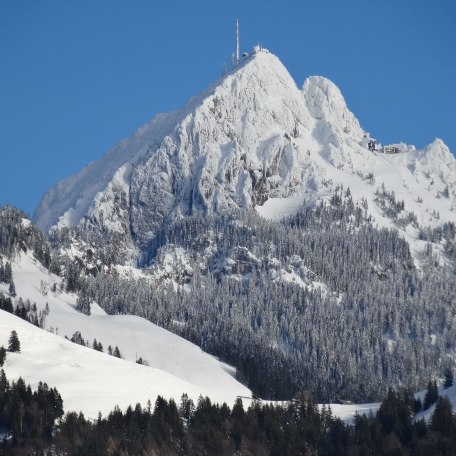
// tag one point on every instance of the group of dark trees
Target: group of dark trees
(6, 303)
(6, 272)
(27, 418)
(24, 310)
(77, 338)
(32, 422)
(6, 276)
(29, 312)
(17, 233)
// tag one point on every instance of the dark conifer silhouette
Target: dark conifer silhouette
(14, 344)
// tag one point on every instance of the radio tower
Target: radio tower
(237, 41)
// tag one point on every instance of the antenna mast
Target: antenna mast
(237, 41)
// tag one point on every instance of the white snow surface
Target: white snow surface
(92, 381)
(253, 139)
(347, 412)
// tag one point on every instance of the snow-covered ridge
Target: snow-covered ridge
(252, 140)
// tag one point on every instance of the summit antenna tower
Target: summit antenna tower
(237, 41)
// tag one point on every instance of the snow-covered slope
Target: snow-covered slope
(91, 381)
(347, 412)
(254, 139)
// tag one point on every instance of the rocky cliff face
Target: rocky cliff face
(253, 140)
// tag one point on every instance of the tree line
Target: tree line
(32, 422)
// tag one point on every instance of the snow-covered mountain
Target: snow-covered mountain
(252, 140)
(269, 233)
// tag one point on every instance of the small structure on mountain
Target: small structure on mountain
(371, 145)
(390, 150)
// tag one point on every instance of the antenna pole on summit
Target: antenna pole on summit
(237, 41)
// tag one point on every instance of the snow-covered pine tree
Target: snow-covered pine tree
(14, 344)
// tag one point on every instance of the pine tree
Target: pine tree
(4, 384)
(83, 304)
(8, 273)
(448, 378)
(2, 355)
(12, 289)
(431, 396)
(14, 344)
(186, 407)
(97, 345)
(443, 420)
(78, 339)
(116, 352)
(6, 304)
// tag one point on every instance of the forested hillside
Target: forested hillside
(321, 300)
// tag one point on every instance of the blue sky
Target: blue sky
(78, 76)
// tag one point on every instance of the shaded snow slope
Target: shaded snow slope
(254, 139)
(92, 381)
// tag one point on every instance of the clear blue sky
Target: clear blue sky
(78, 76)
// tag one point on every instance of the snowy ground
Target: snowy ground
(91, 381)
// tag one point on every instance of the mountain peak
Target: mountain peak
(263, 69)
(266, 64)
(251, 140)
(439, 148)
(326, 102)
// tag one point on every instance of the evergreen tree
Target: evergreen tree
(78, 339)
(395, 415)
(2, 355)
(97, 345)
(417, 406)
(186, 407)
(83, 304)
(116, 352)
(12, 289)
(448, 378)
(4, 385)
(431, 396)
(6, 304)
(14, 344)
(8, 273)
(443, 420)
